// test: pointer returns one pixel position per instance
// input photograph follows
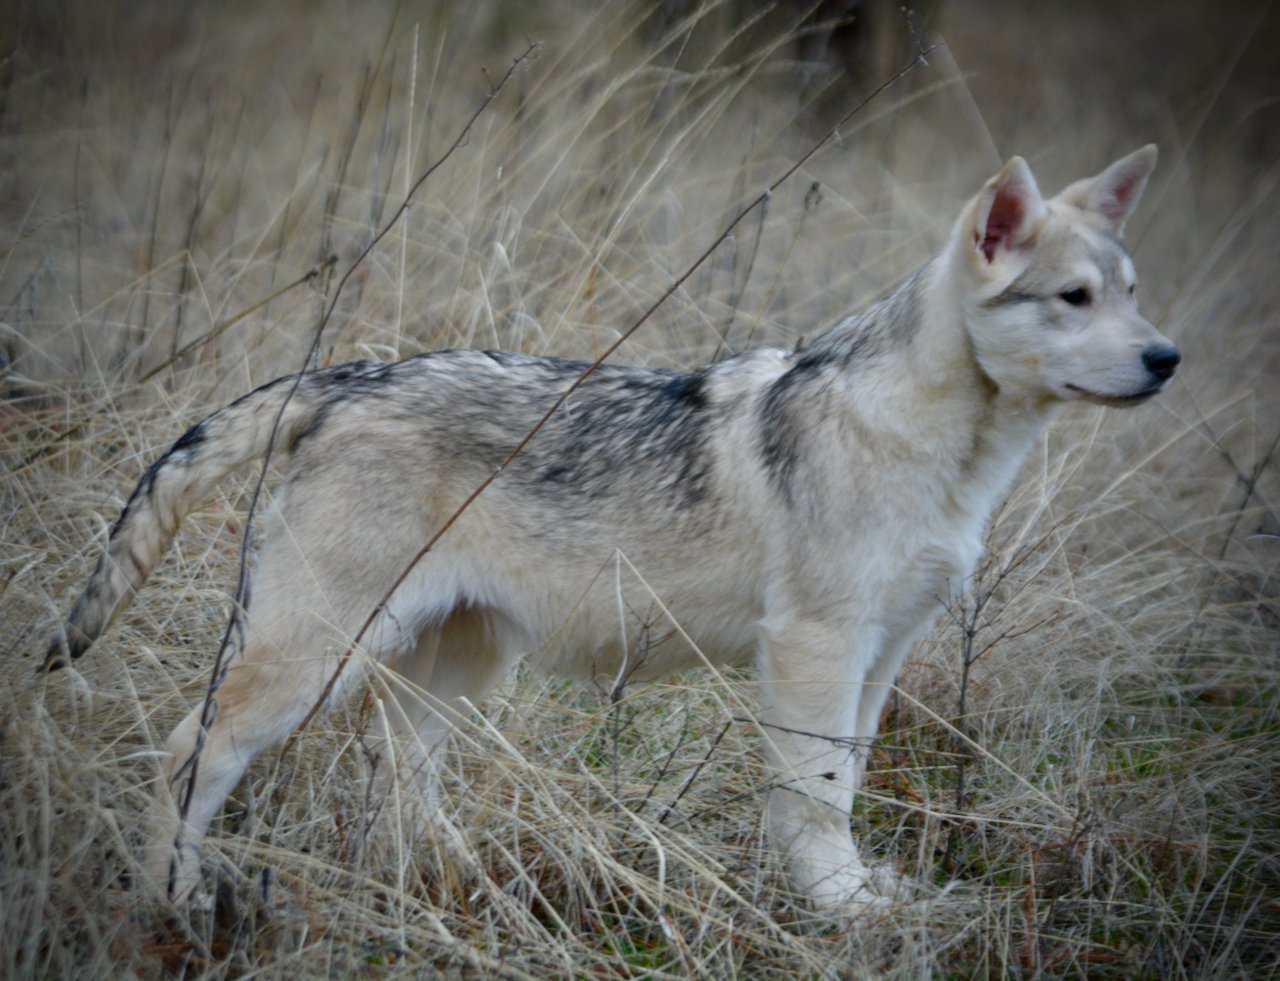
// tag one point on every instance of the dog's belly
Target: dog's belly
(648, 633)
(643, 596)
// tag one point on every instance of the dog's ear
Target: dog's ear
(1113, 194)
(1006, 215)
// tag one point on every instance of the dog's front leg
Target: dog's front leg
(812, 673)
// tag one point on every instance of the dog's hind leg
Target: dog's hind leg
(296, 655)
(812, 672)
(265, 694)
(451, 667)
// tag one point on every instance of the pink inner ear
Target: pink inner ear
(1008, 210)
(1115, 202)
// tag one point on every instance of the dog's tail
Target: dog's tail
(169, 490)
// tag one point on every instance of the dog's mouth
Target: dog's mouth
(1114, 401)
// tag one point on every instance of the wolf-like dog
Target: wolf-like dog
(811, 510)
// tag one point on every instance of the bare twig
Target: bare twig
(968, 614)
(218, 329)
(684, 788)
(1250, 483)
(675, 285)
(233, 636)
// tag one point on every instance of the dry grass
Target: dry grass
(1117, 721)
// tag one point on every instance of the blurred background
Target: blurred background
(167, 165)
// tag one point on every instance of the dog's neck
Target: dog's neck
(912, 378)
(1002, 425)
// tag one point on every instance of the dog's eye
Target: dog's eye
(1077, 297)
(1133, 287)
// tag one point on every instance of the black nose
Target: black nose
(1161, 360)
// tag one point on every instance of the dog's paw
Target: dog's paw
(864, 893)
(891, 885)
(172, 874)
(839, 893)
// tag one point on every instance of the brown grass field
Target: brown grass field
(1080, 767)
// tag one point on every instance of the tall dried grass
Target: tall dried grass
(1080, 767)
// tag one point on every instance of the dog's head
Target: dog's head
(1051, 306)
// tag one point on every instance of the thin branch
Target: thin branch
(217, 330)
(233, 636)
(675, 285)
(684, 788)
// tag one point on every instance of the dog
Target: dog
(812, 510)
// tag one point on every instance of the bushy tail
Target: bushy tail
(167, 492)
